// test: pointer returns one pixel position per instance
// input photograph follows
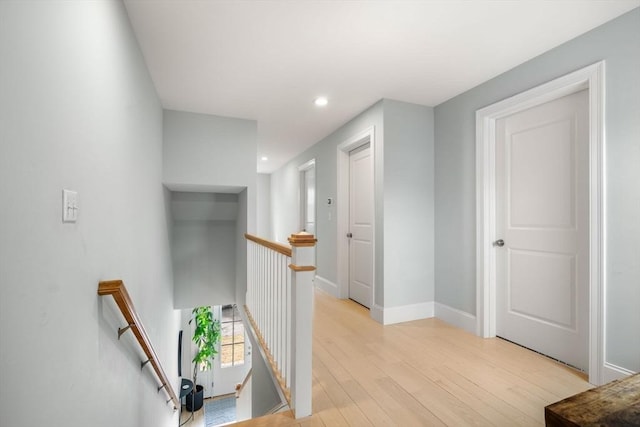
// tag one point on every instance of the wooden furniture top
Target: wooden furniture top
(613, 404)
(119, 292)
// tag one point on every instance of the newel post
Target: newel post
(303, 248)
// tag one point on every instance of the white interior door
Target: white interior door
(542, 219)
(308, 200)
(361, 226)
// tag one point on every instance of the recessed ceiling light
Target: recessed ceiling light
(321, 101)
(264, 158)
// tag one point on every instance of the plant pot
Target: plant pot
(195, 399)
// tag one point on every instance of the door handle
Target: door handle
(499, 243)
(349, 235)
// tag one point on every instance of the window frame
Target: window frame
(235, 319)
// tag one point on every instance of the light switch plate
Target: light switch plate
(69, 206)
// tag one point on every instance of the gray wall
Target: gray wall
(285, 187)
(241, 249)
(264, 394)
(203, 248)
(403, 205)
(204, 153)
(618, 43)
(79, 111)
(204, 263)
(201, 150)
(263, 207)
(211, 154)
(408, 204)
(208, 248)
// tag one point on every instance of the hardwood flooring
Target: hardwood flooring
(421, 373)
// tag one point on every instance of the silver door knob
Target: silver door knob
(499, 243)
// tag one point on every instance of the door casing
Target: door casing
(591, 78)
(302, 169)
(343, 150)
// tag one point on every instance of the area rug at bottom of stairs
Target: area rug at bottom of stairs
(219, 411)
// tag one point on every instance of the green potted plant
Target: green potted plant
(206, 336)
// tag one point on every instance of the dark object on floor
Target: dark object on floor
(195, 398)
(614, 404)
(186, 385)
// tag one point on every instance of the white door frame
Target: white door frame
(591, 78)
(311, 164)
(362, 138)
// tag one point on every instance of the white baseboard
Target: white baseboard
(458, 318)
(377, 313)
(403, 313)
(612, 372)
(326, 286)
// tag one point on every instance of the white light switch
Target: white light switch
(69, 206)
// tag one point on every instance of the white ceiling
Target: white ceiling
(268, 60)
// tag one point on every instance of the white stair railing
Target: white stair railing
(280, 309)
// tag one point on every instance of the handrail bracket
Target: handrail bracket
(125, 329)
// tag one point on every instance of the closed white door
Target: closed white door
(361, 226)
(542, 228)
(308, 200)
(207, 380)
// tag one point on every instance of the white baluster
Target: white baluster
(280, 300)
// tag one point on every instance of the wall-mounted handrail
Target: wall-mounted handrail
(240, 387)
(119, 292)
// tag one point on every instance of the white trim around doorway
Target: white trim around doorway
(342, 205)
(311, 164)
(591, 78)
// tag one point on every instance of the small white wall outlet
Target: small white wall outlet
(69, 206)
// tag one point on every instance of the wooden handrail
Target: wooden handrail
(119, 292)
(278, 247)
(240, 387)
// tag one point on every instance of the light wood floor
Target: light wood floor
(421, 373)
